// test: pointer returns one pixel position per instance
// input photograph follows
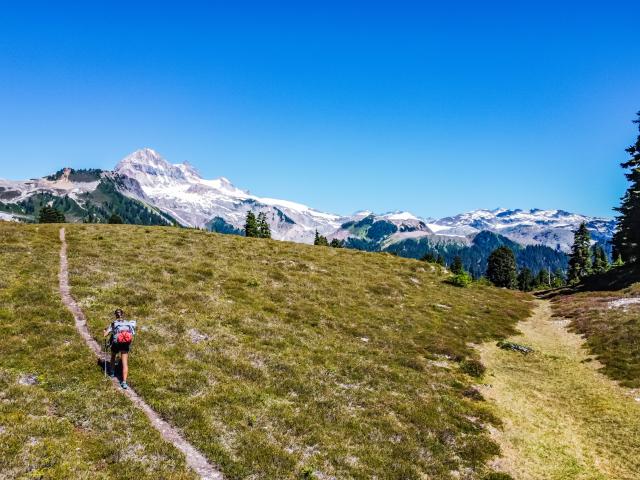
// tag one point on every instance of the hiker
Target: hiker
(121, 332)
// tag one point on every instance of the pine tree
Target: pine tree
(580, 257)
(440, 260)
(264, 231)
(320, 240)
(558, 279)
(626, 240)
(619, 262)
(251, 225)
(115, 219)
(543, 279)
(50, 215)
(456, 265)
(335, 243)
(501, 267)
(429, 257)
(600, 260)
(525, 280)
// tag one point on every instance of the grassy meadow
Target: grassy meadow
(59, 418)
(610, 326)
(562, 418)
(281, 360)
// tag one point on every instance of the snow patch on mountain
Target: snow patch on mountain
(194, 201)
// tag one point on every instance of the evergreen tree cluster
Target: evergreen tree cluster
(626, 240)
(502, 272)
(584, 259)
(257, 227)
(320, 240)
(49, 214)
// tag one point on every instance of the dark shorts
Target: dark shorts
(120, 347)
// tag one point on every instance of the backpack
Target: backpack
(123, 331)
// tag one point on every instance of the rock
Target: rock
(28, 379)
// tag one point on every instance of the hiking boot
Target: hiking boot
(124, 385)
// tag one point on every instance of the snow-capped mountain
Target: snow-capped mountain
(179, 190)
(149, 189)
(553, 228)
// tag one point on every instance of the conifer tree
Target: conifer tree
(626, 240)
(440, 260)
(580, 257)
(264, 231)
(335, 243)
(543, 279)
(429, 257)
(115, 219)
(50, 215)
(320, 240)
(251, 225)
(558, 279)
(600, 260)
(456, 265)
(619, 262)
(525, 280)
(501, 268)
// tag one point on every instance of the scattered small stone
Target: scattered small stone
(364, 339)
(444, 307)
(29, 379)
(196, 337)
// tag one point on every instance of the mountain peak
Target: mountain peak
(150, 169)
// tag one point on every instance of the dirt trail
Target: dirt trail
(562, 418)
(194, 458)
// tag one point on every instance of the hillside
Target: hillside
(277, 359)
(606, 310)
(59, 419)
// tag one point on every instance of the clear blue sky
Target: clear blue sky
(432, 107)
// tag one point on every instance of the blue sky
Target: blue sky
(432, 107)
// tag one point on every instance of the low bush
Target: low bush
(475, 368)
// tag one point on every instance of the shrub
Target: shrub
(462, 279)
(498, 476)
(472, 367)
(473, 394)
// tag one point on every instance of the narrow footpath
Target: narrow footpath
(562, 418)
(194, 458)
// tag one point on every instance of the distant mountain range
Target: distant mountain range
(145, 188)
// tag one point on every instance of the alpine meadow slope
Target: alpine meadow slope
(59, 418)
(282, 360)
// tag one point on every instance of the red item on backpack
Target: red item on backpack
(124, 337)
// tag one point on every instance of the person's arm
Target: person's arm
(107, 330)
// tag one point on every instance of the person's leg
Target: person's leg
(124, 359)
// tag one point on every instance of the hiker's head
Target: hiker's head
(118, 313)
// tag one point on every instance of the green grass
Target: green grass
(612, 334)
(281, 360)
(562, 419)
(59, 418)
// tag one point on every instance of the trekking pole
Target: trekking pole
(104, 347)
